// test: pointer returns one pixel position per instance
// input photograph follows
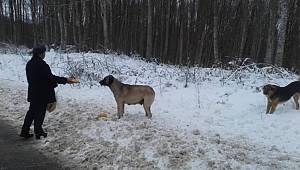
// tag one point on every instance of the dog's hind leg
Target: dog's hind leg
(147, 104)
(296, 98)
(147, 111)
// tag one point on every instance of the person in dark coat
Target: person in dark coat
(41, 84)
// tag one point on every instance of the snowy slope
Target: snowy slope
(217, 105)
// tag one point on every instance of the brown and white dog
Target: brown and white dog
(277, 94)
(130, 94)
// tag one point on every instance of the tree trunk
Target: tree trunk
(292, 44)
(45, 22)
(215, 31)
(142, 31)
(271, 42)
(85, 21)
(78, 25)
(149, 30)
(65, 21)
(33, 14)
(16, 22)
(1, 21)
(110, 24)
(247, 10)
(12, 23)
(166, 46)
(181, 29)
(105, 24)
(180, 45)
(203, 34)
(74, 30)
(281, 26)
(61, 30)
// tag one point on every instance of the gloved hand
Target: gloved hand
(51, 107)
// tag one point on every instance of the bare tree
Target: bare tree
(103, 5)
(196, 31)
(1, 21)
(201, 46)
(281, 26)
(33, 15)
(78, 25)
(247, 7)
(271, 42)
(216, 30)
(149, 30)
(167, 29)
(181, 30)
(61, 26)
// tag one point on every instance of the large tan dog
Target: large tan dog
(129, 94)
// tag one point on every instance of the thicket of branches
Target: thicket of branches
(187, 32)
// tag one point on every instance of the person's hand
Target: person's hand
(72, 81)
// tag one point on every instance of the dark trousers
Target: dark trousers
(35, 113)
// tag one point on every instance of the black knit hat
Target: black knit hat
(39, 50)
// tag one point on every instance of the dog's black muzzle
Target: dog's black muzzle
(102, 83)
(265, 92)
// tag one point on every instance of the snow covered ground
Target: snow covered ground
(217, 121)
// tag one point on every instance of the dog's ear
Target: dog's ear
(266, 89)
(269, 88)
(273, 87)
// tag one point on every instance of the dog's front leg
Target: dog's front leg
(120, 106)
(296, 98)
(268, 106)
(273, 106)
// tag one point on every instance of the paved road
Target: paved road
(18, 154)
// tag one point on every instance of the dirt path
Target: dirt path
(17, 153)
(79, 140)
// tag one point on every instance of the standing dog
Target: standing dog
(276, 95)
(129, 94)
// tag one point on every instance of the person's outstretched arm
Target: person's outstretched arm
(46, 73)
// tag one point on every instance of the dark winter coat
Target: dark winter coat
(41, 82)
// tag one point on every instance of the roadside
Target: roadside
(17, 153)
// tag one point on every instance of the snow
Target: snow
(217, 121)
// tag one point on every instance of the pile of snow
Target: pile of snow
(202, 117)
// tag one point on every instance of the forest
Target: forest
(183, 32)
